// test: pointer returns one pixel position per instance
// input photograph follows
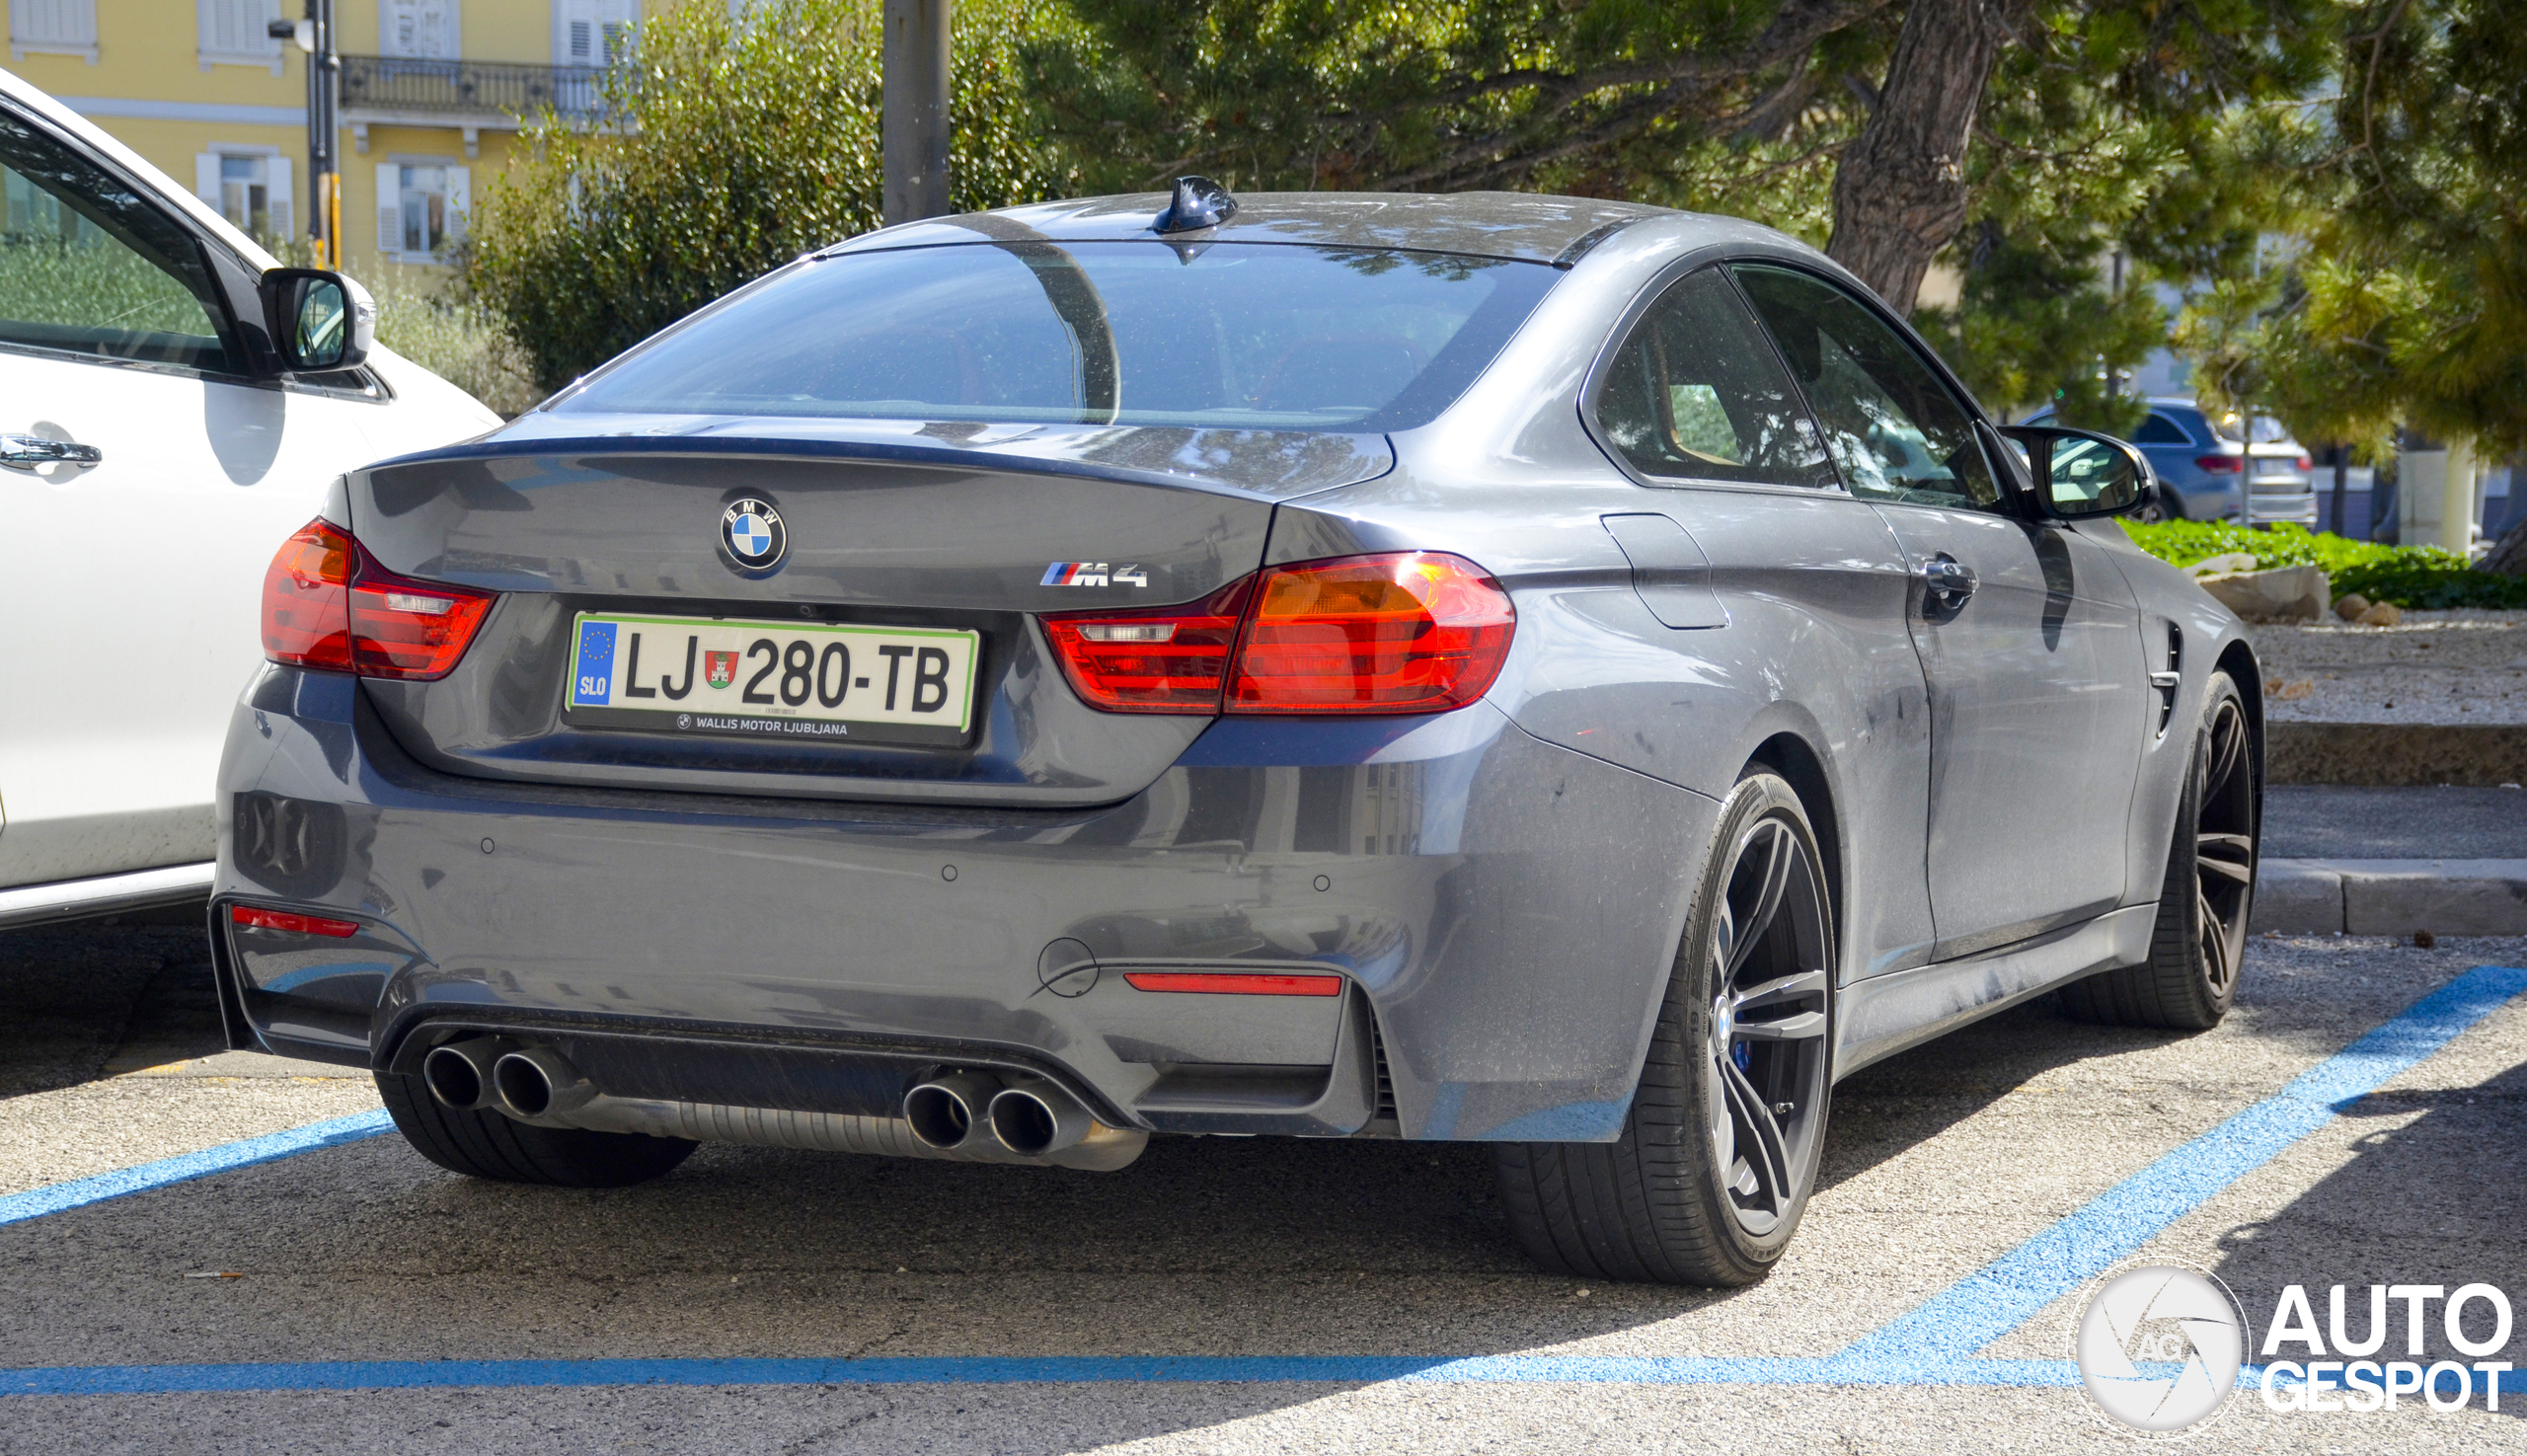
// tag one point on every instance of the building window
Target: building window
(425, 30)
(249, 186)
(592, 33)
(244, 194)
(52, 28)
(420, 209)
(233, 32)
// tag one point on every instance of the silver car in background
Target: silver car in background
(1547, 672)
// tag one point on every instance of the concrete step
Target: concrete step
(2396, 897)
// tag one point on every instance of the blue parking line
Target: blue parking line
(61, 1196)
(1932, 1344)
(2009, 1291)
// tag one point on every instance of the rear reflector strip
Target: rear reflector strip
(1228, 984)
(296, 924)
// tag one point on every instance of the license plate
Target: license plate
(794, 681)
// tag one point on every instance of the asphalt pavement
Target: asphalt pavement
(859, 1304)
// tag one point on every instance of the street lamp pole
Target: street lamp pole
(315, 35)
(913, 132)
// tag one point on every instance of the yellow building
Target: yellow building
(431, 91)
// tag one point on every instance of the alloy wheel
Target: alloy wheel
(2224, 844)
(1768, 1045)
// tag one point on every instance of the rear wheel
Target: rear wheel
(488, 1144)
(2199, 941)
(1720, 1149)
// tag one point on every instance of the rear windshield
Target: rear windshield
(1221, 335)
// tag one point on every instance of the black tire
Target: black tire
(488, 1144)
(2199, 939)
(1667, 1203)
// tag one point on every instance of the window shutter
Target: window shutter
(206, 178)
(460, 201)
(390, 209)
(276, 192)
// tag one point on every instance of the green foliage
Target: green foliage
(730, 146)
(464, 342)
(2113, 121)
(2419, 576)
(2408, 305)
(2036, 325)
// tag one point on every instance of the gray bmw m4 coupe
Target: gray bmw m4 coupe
(1540, 672)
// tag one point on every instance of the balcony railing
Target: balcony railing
(391, 83)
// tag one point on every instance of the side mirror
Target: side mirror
(320, 320)
(2081, 474)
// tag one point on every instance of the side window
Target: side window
(86, 265)
(1698, 393)
(1894, 428)
(2159, 430)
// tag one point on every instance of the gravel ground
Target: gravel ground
(1936, 1162)
(2438, 668)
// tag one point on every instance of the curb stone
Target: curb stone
(2391, 897)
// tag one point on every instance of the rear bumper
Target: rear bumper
(1501, 911)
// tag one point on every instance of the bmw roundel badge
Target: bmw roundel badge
(752, 533)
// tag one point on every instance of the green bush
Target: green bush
(2419, 576)
(463, 342)
(730, 146)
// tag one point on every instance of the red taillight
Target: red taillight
(2221, 464)
(2304, 463)
(1412, 631)
(296, 924)
(1232, 984)
(329, 604)
(1171, 659)
(306, 618)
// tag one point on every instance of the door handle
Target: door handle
(1947, 581)
(26, 451)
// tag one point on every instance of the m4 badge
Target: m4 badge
(1093, 573)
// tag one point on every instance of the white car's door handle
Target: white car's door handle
(26, 451)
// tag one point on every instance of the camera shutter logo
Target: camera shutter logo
(2158, 1347)
(752, 533)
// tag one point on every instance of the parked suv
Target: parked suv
(2222, 467)
(171, 403)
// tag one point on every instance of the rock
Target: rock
(2384, 613)
(2350, 608)
(2286, 594)
(2222, 563)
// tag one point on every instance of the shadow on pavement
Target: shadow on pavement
(91, 998)
(2434, 1193)
(1886, 1109)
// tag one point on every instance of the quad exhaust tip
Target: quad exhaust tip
(537, 1083)
(948, 1112)
(459, 1074)
(1034, 1118)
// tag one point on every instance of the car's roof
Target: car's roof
(1520, 225)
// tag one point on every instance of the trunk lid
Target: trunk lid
(921, 528)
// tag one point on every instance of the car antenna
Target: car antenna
(1199, 202)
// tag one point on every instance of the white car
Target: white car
(173, 405)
